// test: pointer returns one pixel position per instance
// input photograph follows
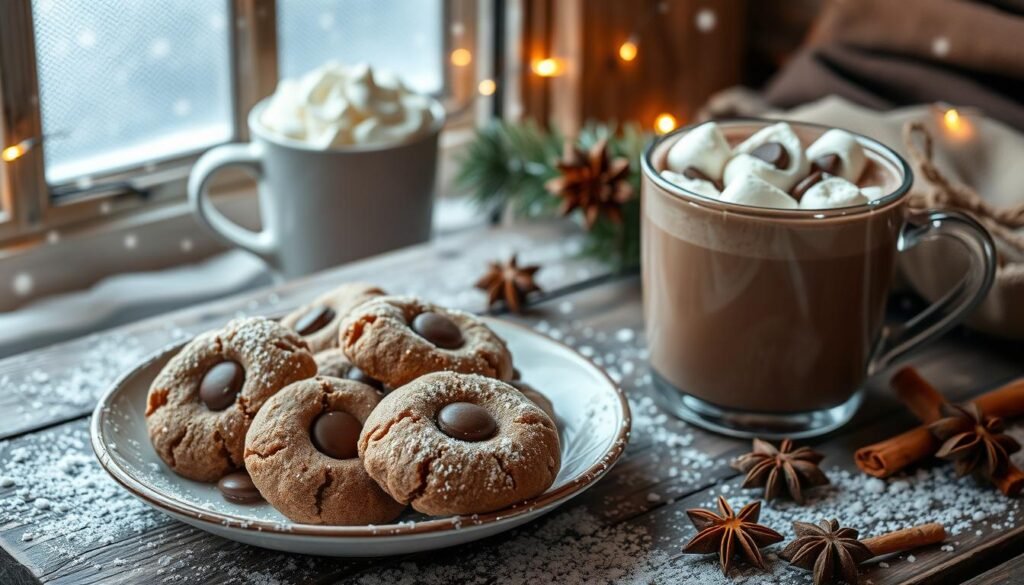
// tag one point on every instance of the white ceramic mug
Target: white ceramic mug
(322, 207)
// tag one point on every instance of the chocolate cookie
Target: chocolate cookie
(318, 321)
(200, 405)
(453, 443)
(335, 364)
(301, 453)
(399, 339)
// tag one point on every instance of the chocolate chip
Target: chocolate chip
(806, 183)
(238, 487)
(772, 153)
(438, 329)
(221, 384)
(465, 421)
(828, 163)
(336, 434)
(314, 320)
(358, 375)
(698, 175)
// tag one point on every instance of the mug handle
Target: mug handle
(943, 314)
(262, 243)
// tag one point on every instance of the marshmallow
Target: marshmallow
(872, 193)
(743, 164)
(852, 159)
(335, 106)
(703, 148)
(751, 190)
(697, 186)
(831, 193)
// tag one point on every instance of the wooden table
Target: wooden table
(628, 528)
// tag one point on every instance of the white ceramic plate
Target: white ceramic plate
(593, 421)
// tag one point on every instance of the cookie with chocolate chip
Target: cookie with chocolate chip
(318, 321)
(452, 443)
(398, 339)
(200, 405)
(334, 363)
(301, 452)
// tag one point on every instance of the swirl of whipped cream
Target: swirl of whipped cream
(337, 106)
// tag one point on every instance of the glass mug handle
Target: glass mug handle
(943, 314)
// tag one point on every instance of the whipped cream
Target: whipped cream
(771, 168)
(337, 106)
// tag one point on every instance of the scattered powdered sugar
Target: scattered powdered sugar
(64, 495)
(107, 356)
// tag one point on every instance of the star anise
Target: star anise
(508, 282)
(828, 550)
(592, 182)
(781, 468)
(731, 534)
(974, 442)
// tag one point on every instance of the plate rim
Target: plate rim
(573, 487)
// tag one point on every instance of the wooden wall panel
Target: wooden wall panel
(677, 68)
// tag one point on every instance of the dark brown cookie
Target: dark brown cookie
(399, 339)
(301, 454)
(200, 405)
(318, 321)
(452, 443)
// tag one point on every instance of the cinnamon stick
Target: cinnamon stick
(920, 397)
(906, 539)
(887, 457)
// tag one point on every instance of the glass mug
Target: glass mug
(766, 322)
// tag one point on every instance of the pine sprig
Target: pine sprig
(507, 165)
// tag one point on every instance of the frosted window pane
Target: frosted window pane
(127, 82)
(401, 35)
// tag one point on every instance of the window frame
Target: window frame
(28, 210)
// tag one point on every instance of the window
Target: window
(404, 36)
(111, 101)
(125, 83)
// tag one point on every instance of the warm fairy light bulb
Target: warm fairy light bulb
(487, 87)
(952, 120)
(547, 67)
(461, 57)
(665, 123)
(12, 153)
(628, 50)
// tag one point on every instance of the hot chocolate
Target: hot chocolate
(770, 309)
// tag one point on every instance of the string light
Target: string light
(461, 57)
(487, 87)
(549, 67)
(665, 123)
(952, 119)
(12, 153)
(628, 50)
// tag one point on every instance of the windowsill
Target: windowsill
(166, 234)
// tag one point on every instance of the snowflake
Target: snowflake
(940, 46)
(23, 284)
(706, 20)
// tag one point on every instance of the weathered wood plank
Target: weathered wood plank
(1012, 571)
(638, 507)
